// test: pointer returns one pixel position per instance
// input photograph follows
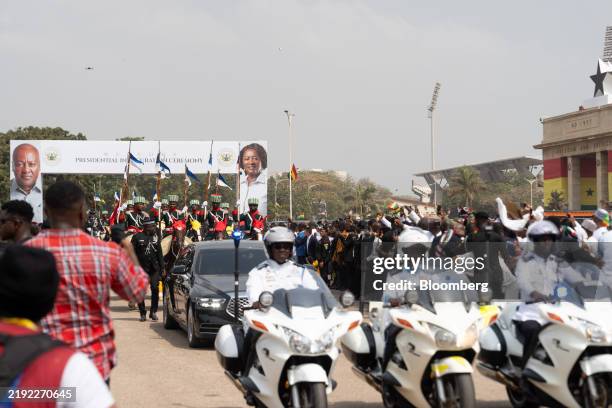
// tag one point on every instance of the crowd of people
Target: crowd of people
(57, 278)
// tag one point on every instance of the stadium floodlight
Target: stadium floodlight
(431, 108)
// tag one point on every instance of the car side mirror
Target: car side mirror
(179, 270)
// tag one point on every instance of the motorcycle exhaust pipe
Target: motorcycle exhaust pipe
(368, 379)
(495, 375)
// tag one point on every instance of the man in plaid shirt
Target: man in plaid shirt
(89, 268)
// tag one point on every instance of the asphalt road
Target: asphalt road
(158, 369)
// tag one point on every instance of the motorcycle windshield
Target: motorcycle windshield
(579, 293)
(285, 300)
(445, 286)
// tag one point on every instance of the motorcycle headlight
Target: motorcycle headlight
(593, 332)
(210, 303)
(444, 338)
(303, 345)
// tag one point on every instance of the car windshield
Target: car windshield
(215, 261)
(444, 286)
(286, 300)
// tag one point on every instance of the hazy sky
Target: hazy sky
(357, 74)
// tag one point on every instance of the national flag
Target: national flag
(294, 173)
(210, 159)
(97, 197)
(136, 162)
(162, 167)
(116, 196)
(221, 181)
(155, 196)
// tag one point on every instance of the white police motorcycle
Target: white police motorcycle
(571, 366)
(430, 363)
(292, 347)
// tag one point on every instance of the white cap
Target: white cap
(589, 225)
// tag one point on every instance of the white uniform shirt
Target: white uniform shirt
(599, 233)
(270, 276)
(539, 274)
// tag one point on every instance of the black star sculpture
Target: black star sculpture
(590, 192)
(598, 78)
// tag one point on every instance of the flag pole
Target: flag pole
(158, 189)
(209, 176)
(289, 115)
(186, 188)
(238, 182)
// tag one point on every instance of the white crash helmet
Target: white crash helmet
(540, 228)
(412, 236)
(276, 235)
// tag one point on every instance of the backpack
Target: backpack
(19, 352)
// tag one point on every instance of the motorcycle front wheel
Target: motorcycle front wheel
(312, 395)
(603, 392)
(518, 399)
(459, 391)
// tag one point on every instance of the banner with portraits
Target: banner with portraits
(31, 158)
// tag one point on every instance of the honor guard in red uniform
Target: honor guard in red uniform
(252, 222)
(134, 218)
(217, 218)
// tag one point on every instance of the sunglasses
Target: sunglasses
(283, 245)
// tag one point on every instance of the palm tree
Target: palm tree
(465, 184)
(556, 201)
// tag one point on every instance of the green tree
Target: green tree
(465, 184)
(556, 201)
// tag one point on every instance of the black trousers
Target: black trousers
(154, 281)
(530, 329)
(391, 333)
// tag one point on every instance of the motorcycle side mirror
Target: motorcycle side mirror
(485, 297)
(347, 299)
(411, 297)
(265, 300)
(179, 270)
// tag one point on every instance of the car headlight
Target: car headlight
(443, 337)
(210, 303)
(303, 345)
(593, 332)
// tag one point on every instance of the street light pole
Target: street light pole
(531, 191)
(431, 109)
(289, 116)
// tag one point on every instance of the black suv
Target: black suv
(199, 291)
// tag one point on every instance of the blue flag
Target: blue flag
(161, 166)
(221, 181)
(135, 162)
(189, 174)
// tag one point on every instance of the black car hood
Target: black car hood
(219, 285)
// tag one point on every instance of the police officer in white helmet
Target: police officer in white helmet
(279, 271)
(538, 272)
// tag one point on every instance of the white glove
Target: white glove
(205, 204)
(157, 204)
(184, 209)
(123, 207)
